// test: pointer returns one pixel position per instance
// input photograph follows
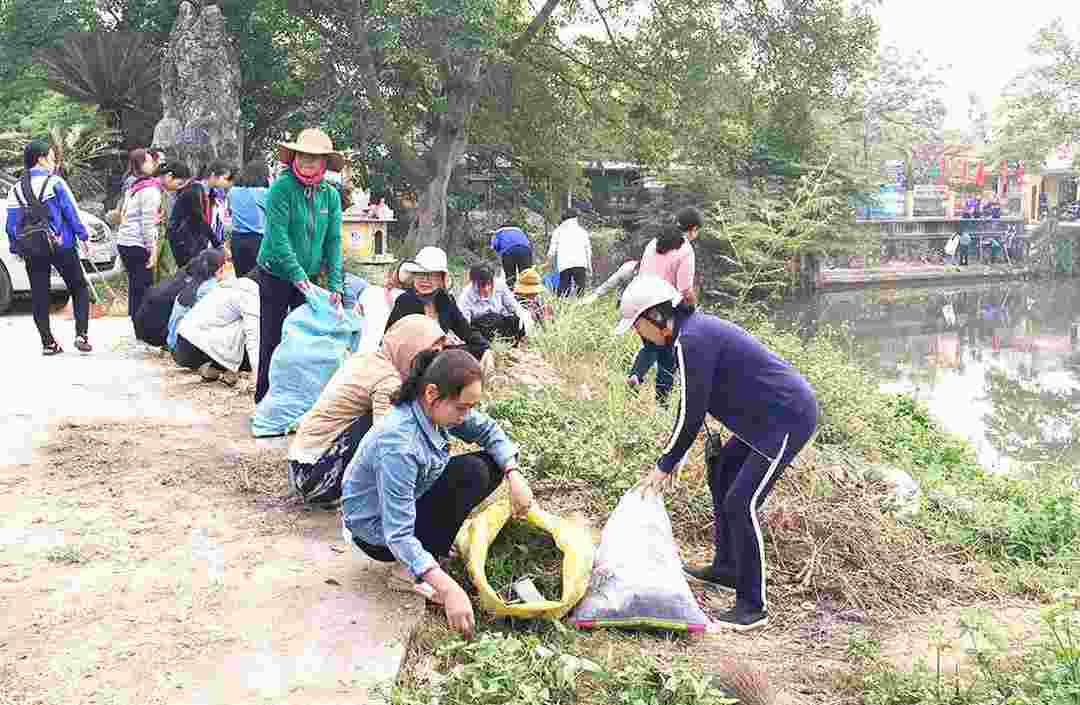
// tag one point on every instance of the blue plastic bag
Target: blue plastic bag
(551, 281)
(315, 340)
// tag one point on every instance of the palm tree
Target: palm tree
(120, 72)
(80, 150)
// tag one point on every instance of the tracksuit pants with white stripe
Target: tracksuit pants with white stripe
(740, 480)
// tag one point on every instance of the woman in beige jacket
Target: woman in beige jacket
(354, 400)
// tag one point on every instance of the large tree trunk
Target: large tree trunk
(429, 228)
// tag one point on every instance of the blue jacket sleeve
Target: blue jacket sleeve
(695, 371)
(396, 482)
(11, 225)
(69, 210)
(482, 430)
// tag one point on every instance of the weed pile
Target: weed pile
(524, 551)
(832, 544)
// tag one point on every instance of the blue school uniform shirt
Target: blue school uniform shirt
(507, 238)
(58, 199)
(248, 206)
(179, 310)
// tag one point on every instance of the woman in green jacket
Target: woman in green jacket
(303, 235)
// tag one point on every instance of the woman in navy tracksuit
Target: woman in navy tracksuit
(768, 406)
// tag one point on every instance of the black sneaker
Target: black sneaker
(742, 619)
(705, 576)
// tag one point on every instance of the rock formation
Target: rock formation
(200, 91)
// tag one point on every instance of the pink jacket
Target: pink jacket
(676, 266)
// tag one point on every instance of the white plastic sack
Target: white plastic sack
(951, 245)
(315, 340)
(637, 578)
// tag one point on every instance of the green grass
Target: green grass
(587, 441)
(1047, 672)
(519, 551)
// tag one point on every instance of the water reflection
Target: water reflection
(998, 363)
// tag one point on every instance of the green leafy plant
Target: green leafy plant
(79, 150)
(506, 669)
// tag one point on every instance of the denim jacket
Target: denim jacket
(396, 463)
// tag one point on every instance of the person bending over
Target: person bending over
(770, 409)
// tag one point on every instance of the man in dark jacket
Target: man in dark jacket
(189, 230)
(769, 408)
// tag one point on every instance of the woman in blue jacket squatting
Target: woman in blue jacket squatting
(404, 497)
(767, 405)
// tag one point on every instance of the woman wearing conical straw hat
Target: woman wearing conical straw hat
(303, 235)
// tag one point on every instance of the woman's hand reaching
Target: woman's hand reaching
(521, 496)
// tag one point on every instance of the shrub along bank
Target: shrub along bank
(829, 539)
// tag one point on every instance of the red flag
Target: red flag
(980, 175)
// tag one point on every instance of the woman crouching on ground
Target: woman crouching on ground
(404, 498)
(427, 280)
(357, 396)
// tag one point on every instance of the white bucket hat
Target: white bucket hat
(428, 259)
(641, 294)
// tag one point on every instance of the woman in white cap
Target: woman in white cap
(303, 236)
(767, 405)
(425, 281)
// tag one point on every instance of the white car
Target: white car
(99, 259)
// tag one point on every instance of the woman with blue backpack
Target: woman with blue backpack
(43, 227)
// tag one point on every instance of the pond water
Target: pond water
(998, 363)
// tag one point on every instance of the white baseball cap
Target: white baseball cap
(641, 294)
(428, 259)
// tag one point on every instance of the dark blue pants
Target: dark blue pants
(39, 272)
(466, 482)
(140, 279)
(515, 260)
(663, 356)
(245, 248)
(740, 479)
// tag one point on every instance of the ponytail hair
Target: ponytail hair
(449, 370)
(670, 238)
(202, 268)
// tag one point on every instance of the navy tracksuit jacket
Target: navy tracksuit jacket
(772, 412)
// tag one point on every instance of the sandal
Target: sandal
(82, 344)
(52, 348)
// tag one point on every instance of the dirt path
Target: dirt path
(137, 569)
(151, 560)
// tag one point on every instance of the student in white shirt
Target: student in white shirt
(571, 251)
(490, 307)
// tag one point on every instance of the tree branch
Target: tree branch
(413, 167)
(533, 29)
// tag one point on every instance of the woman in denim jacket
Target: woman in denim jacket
(404, 498)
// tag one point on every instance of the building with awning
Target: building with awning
(1058, 177)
